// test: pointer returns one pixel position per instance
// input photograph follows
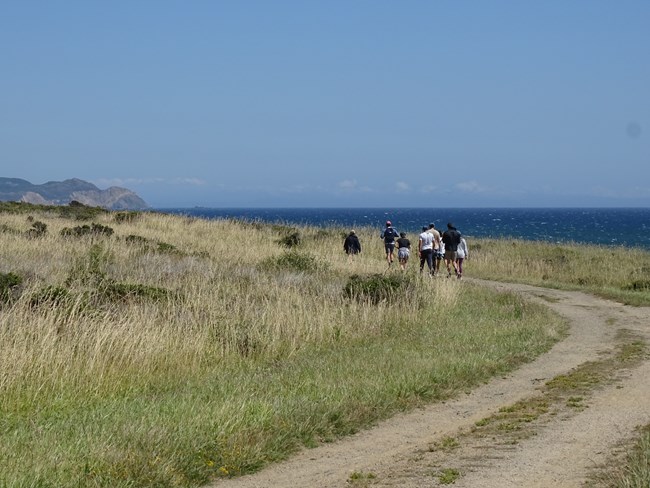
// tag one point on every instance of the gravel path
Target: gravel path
(561, 452)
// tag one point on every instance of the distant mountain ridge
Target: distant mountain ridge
(74, 189)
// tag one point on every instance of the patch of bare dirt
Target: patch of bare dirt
(533, 440)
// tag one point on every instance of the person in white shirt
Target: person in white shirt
(461, 255)
(425, 249)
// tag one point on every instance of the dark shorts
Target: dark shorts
(451, 255)
(390, 247)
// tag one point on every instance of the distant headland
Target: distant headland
(64, 192)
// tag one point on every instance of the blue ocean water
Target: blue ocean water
(603, 226)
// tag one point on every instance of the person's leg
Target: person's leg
(459, 262)
(430, 261)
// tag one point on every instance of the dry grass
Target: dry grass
(203, 348)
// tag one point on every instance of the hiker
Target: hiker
(352, 245)
(451, 238)
(403, 250)
(425, 249)
(461, 255)
(389, 234)
(437, 243)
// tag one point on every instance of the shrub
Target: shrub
(79, 211)
(136, 239)
(164, 247)
(9, 282)
(137, 291)
(122, 217)
(38, 229)
(291, 239)
(638, 285)
(50, 295)
(84, 230)
(376, 287)
(89, 269)
(295, 261)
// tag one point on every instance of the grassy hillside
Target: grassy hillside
(157, 350)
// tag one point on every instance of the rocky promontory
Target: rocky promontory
(64, 192)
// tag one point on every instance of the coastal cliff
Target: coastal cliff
(64, 192)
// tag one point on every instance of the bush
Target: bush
(638, 285)
(295, 261)
(291, 239)
(137, 240)
(90, 269)
(122, 217)
(9, 282)
(166, 248)
(38, 229)
(84, 230)
(131, 291)
(49, 296)
(376, 287)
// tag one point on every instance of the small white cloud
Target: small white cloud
(149, 181)
(401, 186)
(347, 184)
(353, 186)
(471, 187)
(189, 181)
(428, 189)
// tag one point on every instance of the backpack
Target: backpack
(389, 234)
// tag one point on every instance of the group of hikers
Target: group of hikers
(433, 247)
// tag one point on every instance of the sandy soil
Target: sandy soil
(561, 452)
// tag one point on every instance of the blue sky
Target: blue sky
(331, 103)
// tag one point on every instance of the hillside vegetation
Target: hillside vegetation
(141, 349)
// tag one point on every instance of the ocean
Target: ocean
(629, 227)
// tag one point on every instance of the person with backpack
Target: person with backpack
(451, 239)
(389, 234)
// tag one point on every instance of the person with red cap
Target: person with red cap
(389, 234)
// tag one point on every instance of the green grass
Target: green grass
(621, 274)
(227, 354)
(233, 416)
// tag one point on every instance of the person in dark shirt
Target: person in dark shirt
(451, 239)
(389, 234)
(352, 245)
(403, 250)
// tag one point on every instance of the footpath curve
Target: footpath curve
(563, 451)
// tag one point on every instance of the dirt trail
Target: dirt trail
(561, 452)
